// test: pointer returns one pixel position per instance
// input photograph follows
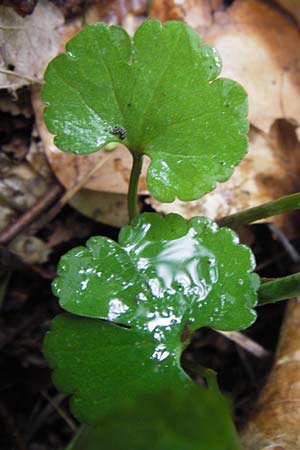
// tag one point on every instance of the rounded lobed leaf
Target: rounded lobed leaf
(163, 274)
(159, 95)
(106, 366)
(166, 273)
(193, 419)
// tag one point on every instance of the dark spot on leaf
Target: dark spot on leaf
(119, 131)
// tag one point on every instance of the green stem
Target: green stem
(133, 184)
(280, 206)
(279, 289)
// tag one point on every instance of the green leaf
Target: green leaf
(166, 274)
(159, 95)
(106, 365)
(196, 419)
(163, 274)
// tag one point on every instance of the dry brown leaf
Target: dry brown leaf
(103, 207)
(113, 175)
(292, 6)
(7, 215)
(275, 422)
(30, 249)
(127, 13)
(37, 158)
(27, 44)
(20, 188)
(22, 7)
(197, 13)
(260, 48)
(20, 185)
(270, 170)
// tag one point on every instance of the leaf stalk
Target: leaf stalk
(133, 185)
(279, 289)
(282, 205)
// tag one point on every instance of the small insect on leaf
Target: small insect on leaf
(120, 132)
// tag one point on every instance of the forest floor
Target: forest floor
(33, 414)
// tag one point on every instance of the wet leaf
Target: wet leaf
(139, 93)
(105, 365)
(247, 34)
(163, 274)
(113, 174)
(165, 277)
(260, 178)
(197, 419)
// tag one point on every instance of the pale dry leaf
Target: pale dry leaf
(37, 158)
(20, 185)
(274, 424)
(7, 214)
(110, 209)
(260, 48)
(292, 6)
(27, 44)
(269, 171)
(22, 7)
(20, 188)
(197, 13)
(30, 249)
(127, 13)
(113, 176)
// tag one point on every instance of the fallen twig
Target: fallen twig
(13, 230)
(66, 197)
(247, 344)
(13, 73)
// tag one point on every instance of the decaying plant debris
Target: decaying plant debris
(35, 415)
